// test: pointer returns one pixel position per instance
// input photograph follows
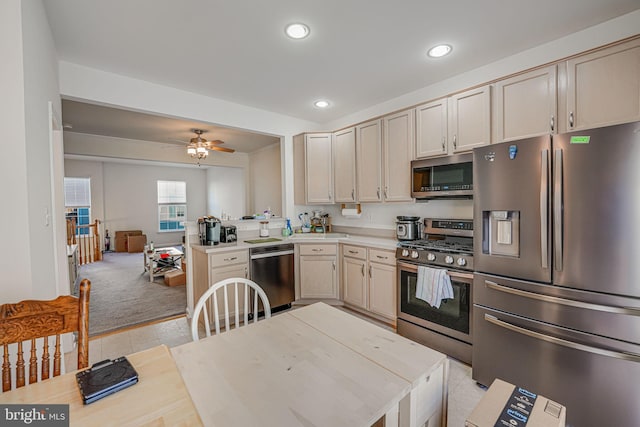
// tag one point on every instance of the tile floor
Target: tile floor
(464, 394)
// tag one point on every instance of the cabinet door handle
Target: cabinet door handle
(352, 252)
(370, 273)
(570, 119)
(233, 258)
(334, 265)
(553, 122)
(444, 142)
(362, 269)
(455, 141)
(353, 194)
(385, 192)
(330, 195)
(317, 249)
(378, 192)
(382, 257)
(246, 273)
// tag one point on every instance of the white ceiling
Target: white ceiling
(359, 52)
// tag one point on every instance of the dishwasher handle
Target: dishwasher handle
(271, 254)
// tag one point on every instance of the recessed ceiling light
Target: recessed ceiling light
(321, 103)
(297, 31)
(440, 50)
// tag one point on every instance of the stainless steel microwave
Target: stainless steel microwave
(443, 177)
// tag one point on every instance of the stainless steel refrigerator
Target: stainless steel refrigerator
(557, 260)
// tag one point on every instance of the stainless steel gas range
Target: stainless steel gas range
(447, 244)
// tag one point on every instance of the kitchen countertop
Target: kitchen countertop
(352, 239)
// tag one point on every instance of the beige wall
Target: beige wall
(266, 180)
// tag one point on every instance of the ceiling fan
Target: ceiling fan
(198, 146)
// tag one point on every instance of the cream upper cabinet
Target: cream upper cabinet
(526, 105)
(344, 165)
(469, 119)
(603, 87)
(455, 124)
(319, 168)
(369, 161)
(431, 129)
(398, 141)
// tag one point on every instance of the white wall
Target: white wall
(16, 269)
(226, 192)
(130, 196)
(265, 180)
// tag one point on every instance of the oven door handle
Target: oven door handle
(564, 301)
(453, 274)
(560, 341)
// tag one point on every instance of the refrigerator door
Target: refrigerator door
(596, 209)
(595, 377)
(512, 207)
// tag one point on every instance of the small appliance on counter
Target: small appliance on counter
(209, 230)
(320, 222)
(408, 228)
(228, 234)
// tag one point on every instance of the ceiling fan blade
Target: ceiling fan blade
(225, 149)
(216, 142)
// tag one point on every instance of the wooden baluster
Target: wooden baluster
(56, 357)
(33, 363)
(20, 367)
(6, 370)
(45, 359)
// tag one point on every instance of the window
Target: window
(172, 208)
(77, 202)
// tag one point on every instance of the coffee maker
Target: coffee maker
(209, 230)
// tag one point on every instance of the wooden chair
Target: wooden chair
(241, 288)
(32, 319)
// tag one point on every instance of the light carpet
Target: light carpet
(122, 296)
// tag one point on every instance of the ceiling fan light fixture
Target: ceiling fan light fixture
(191, 151)
(297, 30)
(202, 151)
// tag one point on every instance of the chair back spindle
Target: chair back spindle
(210, 302)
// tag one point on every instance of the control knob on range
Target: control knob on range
(448, 259)
(431, 257)
(405, 252)
(414, 254)
(461, 262)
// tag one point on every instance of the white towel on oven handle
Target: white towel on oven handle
(433, 285)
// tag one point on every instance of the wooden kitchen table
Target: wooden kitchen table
(295, 370)
(158, 399)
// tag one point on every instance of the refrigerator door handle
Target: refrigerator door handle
(560, 341)
(557, 210)
(544, 212)
(631, 311)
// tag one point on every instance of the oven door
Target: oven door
(453, 316)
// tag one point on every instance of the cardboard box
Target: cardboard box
(504, 404)
(121, 239)
(175, 278)
(136, 243)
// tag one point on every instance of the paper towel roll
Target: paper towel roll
(350, 212)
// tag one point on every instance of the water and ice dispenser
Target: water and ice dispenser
(501, 233)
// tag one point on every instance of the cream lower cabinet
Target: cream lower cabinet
(369, 280)
(209, 269)
(318, 271)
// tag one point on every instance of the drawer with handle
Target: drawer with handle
(318, 249)
(228, 258)
(354, 251)
(382, 256)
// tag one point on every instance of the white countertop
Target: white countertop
(352, 239)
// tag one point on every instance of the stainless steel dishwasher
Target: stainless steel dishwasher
(272, 269)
